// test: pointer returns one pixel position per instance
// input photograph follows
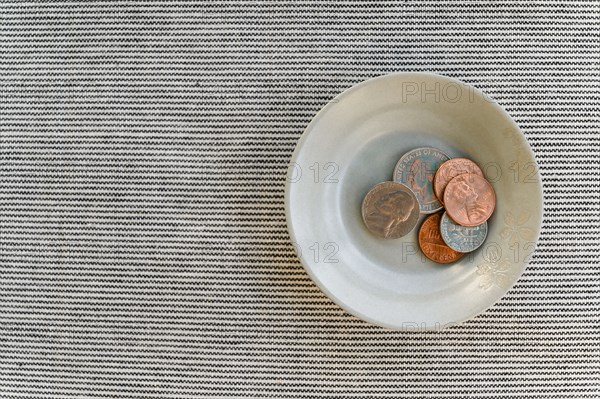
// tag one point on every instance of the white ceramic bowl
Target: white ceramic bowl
(352, 144)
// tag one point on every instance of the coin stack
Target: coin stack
(427, 181)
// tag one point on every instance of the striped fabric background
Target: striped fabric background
(143, 153)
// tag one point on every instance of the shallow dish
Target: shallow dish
(354, 143)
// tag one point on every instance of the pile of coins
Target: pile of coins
(427, 181)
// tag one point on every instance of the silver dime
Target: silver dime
(416, 169)
(462, 238)
(390, 210)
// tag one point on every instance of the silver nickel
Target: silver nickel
(390, 210)
(462, 238)
(416, 169)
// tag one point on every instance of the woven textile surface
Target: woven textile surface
(143, 156)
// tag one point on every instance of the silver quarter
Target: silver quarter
(416, 169)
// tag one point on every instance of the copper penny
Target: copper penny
(432, 244)
(449, 170)
(469, 199)
(390, 210)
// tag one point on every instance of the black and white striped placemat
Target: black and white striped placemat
(143, 153)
